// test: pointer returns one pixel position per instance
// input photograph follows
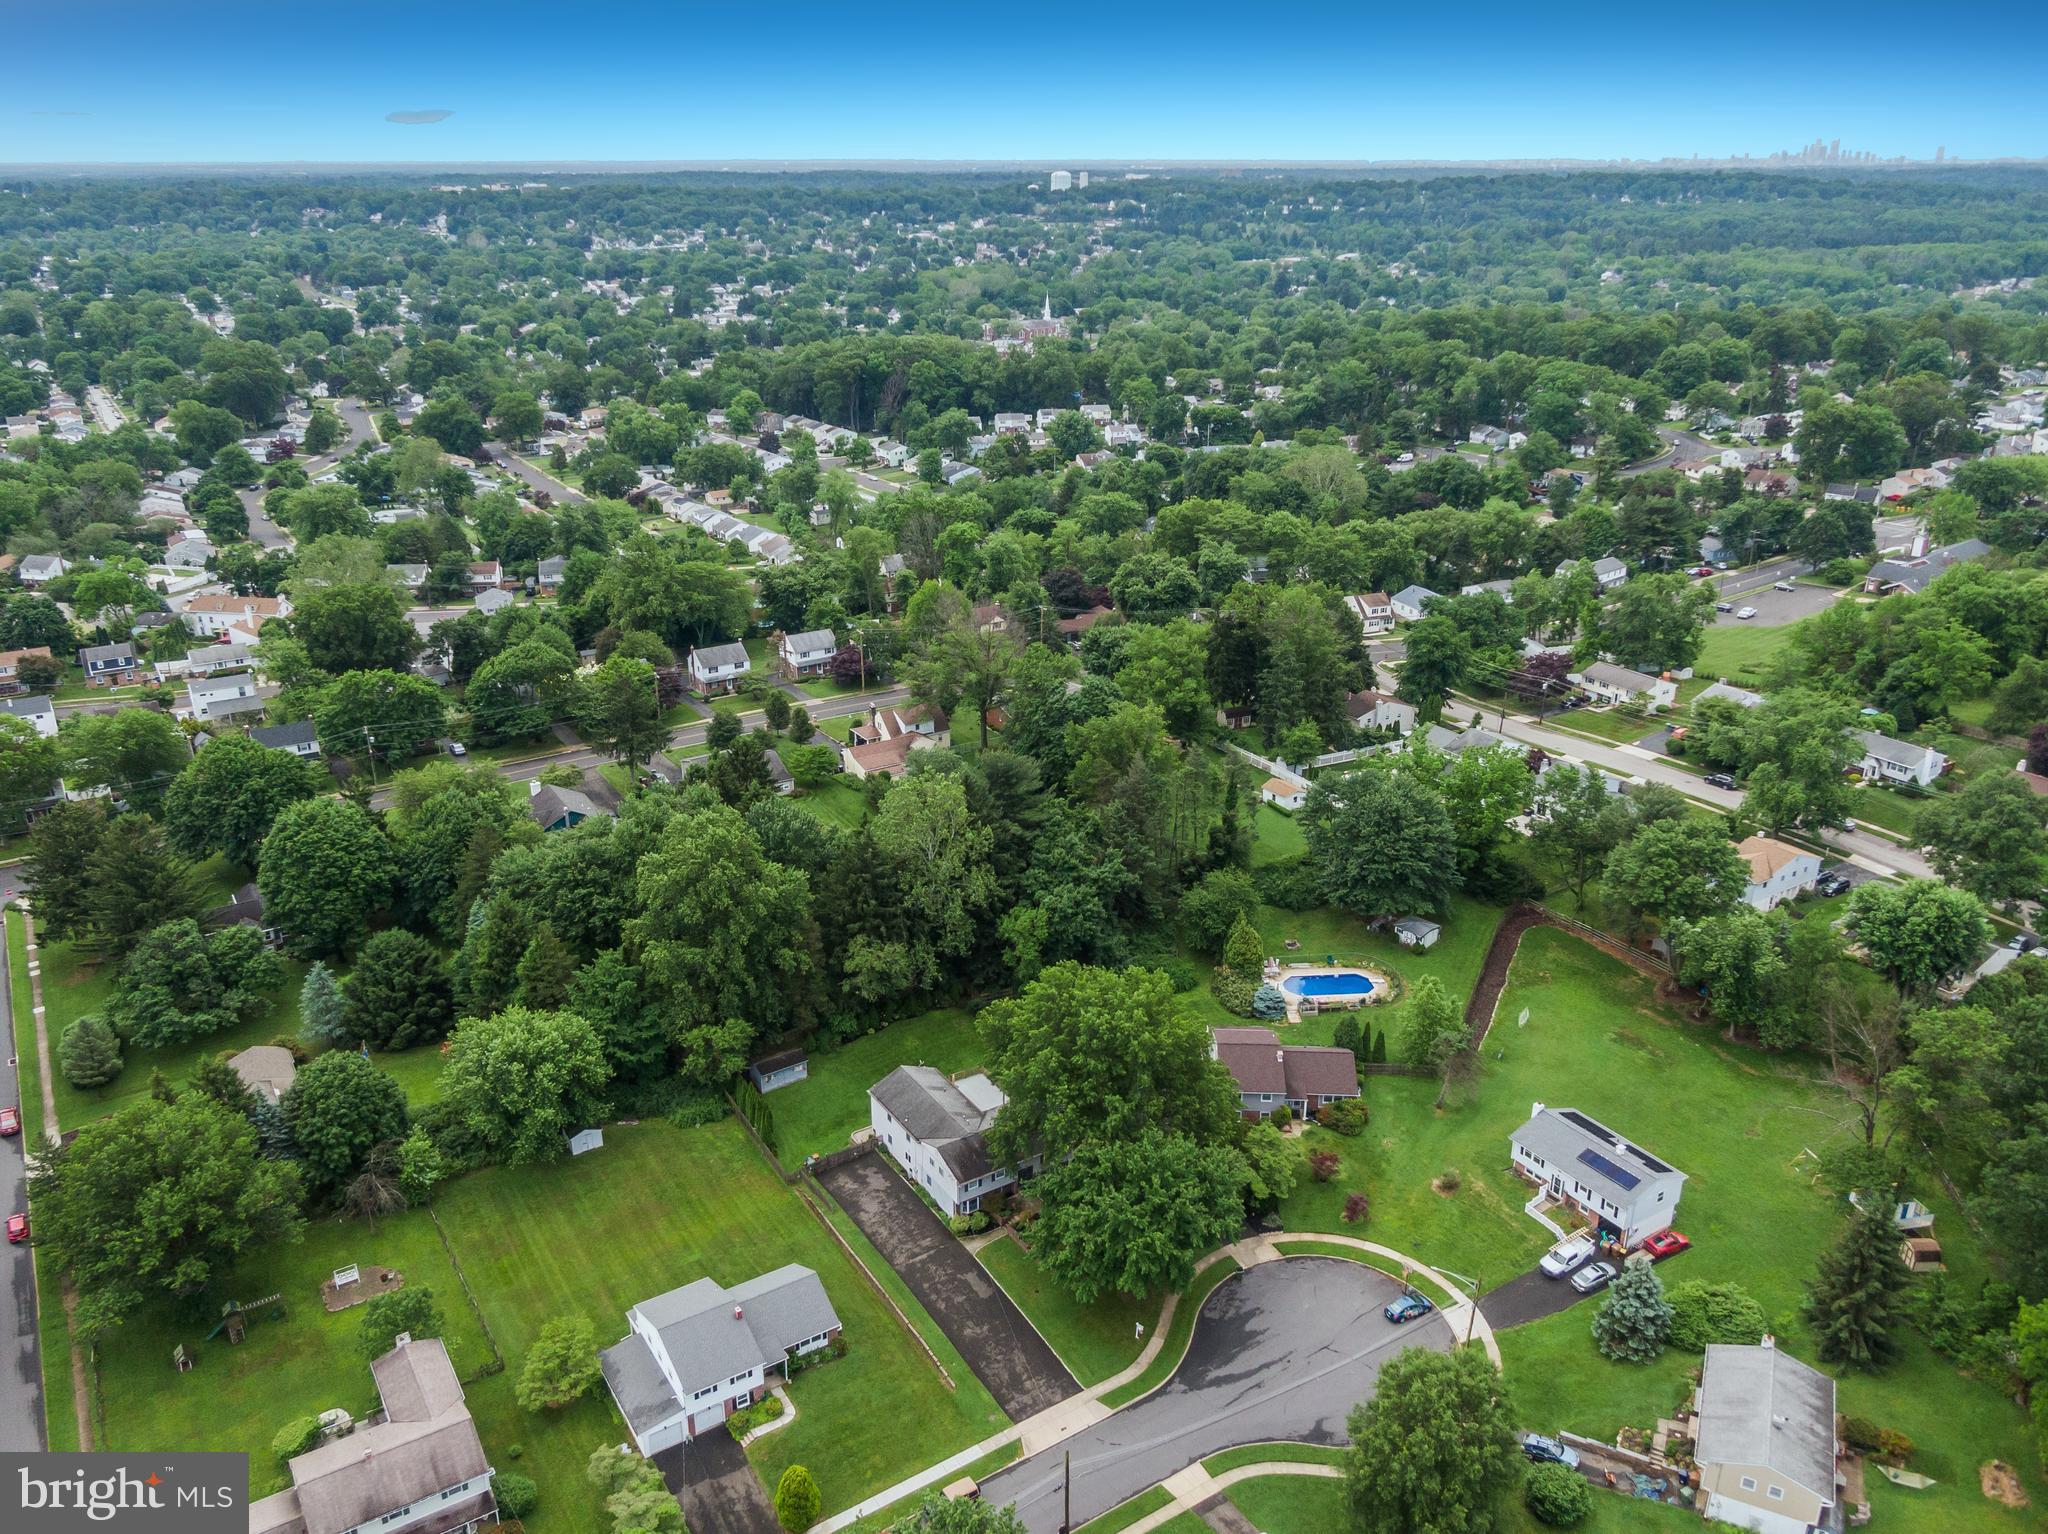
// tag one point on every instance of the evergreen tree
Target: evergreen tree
(1346, 1034)
(1379, 1046)
(1635, 1320)
(321, 1006)
(214, 1078)
(1857, 1297)
(797, 1500)
(1244, 951)
(90, 1053)
(545, 970)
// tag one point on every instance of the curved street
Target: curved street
(1283, 1350)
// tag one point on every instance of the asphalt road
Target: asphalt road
(1677, 444)
(512, 463)
(693, 734)
(1633, 761)
(1283, 1350)
(21, 1403)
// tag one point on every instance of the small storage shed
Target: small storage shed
(783, 1068)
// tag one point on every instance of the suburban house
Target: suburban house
(557, 809)
(485, 574)
(549, 572)
(41, 569)
(1724, 692)
(1493, 437)
(108, 665)
(1609, 573)
(1268, 1073)
(718, 668)
(889, 721)
(1778, 871)
(204, 696)
(1606, 682)
(1374, 611)
(214, 614)
(1765, 1440)
(265, 1069)
(780, 778)
(10, 666)
(936, 1129)
(784, 1068)
(412, 577)
(493, 599)
(695, 1355)
(246, 910)
(188, 551)
(1897, 761)
(298, 738)
(807, 654)
(416, 1467)
(1407, 602)
(1370, 710)
(1581, 1162)
(37, 711)
(1916, 572)
(865, 758)
(1285, 793)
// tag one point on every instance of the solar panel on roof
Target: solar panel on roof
(1599, 1163)
(1591, 1126)
(1649, 1160)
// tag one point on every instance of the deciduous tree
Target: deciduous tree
(1434, 1450)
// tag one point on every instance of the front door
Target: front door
(1557, 1186)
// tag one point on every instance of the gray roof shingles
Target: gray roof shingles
(1761, 1406)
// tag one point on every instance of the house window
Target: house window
(396, 1514)
(1776, 1494)
(1749, 1483)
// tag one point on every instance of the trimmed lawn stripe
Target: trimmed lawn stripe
(1291, 1504)
(818, 1115)
(1384, 1265)
(1093, 1341)
(1273, 1454)
(1125, 1514)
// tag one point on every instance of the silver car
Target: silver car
(1594, 1275)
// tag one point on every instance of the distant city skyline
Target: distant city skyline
(523, 83)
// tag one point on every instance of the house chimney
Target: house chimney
(533, 786)
(401, 1339)
(1769, 1341)
(1535, 1110)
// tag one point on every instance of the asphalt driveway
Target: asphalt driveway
(1283, 1350)
(1530, 1297)
(716, 1486)
(1002, 1348)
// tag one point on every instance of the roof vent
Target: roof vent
(401, 1339)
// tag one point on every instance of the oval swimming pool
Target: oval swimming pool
(1346, 983)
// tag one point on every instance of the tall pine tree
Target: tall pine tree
(1635, 1320)
(1858, 1295)
(321, 1006)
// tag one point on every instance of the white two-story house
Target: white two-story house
(1581, 1162)
(1778, 871)
(695, 1355)
(808, 653)
(1899, 761)
(936, 1129)
(718, 668)
(1606, 682)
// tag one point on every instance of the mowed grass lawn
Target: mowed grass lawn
(840, 802)
(1292, 1504)
(76, 983)
(819, 1115)
(1093, 1341)
(1739, 652)
(1456, 960)
(656, 1208)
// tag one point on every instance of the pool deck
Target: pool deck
(1279, 974)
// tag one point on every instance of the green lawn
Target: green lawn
(1276, 836)
(1273, 1454)
(659, 1207)
(1621, 726)
(418, 1071)
(1093, 1341)
(1887, 807)
(839, 726)
(76, 983)
(840, 802)
(1127, 1513)
(1455, 960)
(1739, 652)
(820, 1114)
(1292, 1504)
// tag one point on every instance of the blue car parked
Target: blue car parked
(1408, 1307)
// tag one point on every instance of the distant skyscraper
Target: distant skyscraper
(1940, 153)
(1060, 181)
(1081, 179)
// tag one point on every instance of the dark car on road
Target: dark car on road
(1718, 780)
(1409, 1307)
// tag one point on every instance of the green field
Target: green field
(1273, 1454)
(820, 1114)
(655, 1208)
(1276, 836)
(1456, 960)
(1292, 1504)
(1739, 653)
(1093, 1341)
(840, 802)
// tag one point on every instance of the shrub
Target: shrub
(1450, 1180)
(1180, 974)
(296, 1437)
(1348, 1034)
(1357, 1208)
(561, 775)
(1233, 991)
(1323, 1164)
(995, 1205)
(1282, 1116)
(1269, 1005)
(561, 1366)
(960, 1224)
(516, 1493)
(797, 1500)
(1348, 1116)
(1860, 1434)
(1292, 884)
(1894, 1446)
(1720, 1312)
(1244, 951)
(741, 1423)
(1558, 1496)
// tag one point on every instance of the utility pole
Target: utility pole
(1067, 1492)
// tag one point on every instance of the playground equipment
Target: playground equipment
(234, 1317)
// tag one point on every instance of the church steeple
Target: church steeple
(1048, 303)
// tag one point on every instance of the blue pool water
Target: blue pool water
(1350, 983)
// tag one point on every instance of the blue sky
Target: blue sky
(918, 80)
